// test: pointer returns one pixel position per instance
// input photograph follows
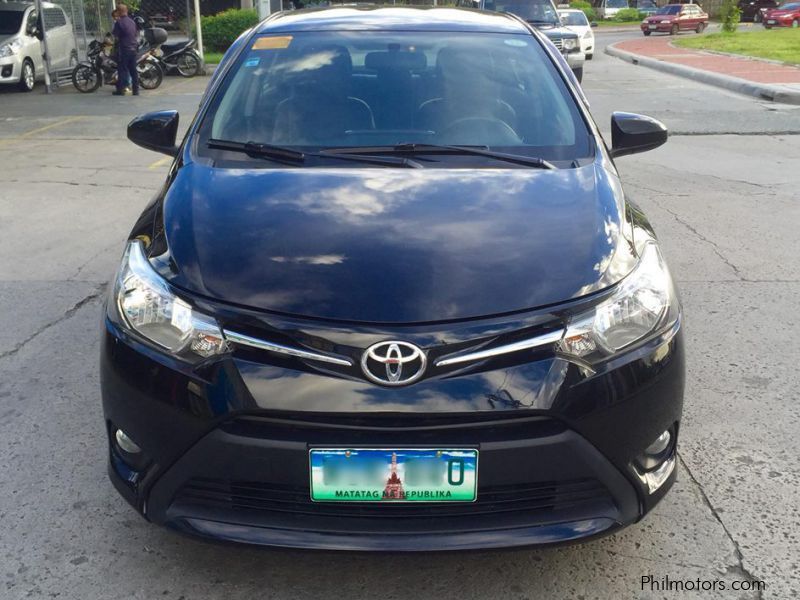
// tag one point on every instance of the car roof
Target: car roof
(21, 6)
(384, 18)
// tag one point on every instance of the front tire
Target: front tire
(578, 74)
(589, 56)
(674, 30)
(150, 75)
(27, 76)
(86, 79)
(646, 33)
(795, 24)
(700, 27)
(757, 17)
(188, 64)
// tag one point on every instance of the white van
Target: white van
(607, 9)
(21, 61)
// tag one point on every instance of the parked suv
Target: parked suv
(541, 14)
(21, 61)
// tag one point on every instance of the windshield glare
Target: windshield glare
(574, 19)
(538, 11)
(669, 10)
(10, 21)
(349, 89)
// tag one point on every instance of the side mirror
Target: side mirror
(155, 131)
(38, 29)
(631, 133)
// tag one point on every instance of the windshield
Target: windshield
(318, 90)
(672, 9)
(575, 19)
(617, 3)
(10, 21)
(536, 11)
(790, 6)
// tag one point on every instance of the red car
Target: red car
(785, 15)
(673, 18)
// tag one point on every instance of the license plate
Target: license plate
(652, 26)
(771, 22)
(399, 475)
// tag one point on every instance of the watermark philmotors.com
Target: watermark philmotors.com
(668, 584)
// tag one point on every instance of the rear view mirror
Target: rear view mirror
(631, 133)
(155, 131)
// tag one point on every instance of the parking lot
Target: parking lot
(723, 196)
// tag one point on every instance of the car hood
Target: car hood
(778, 12)
(7, 38)
(556, 32)
(395, 245)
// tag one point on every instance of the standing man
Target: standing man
(127, 43)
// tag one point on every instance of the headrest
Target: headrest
(463, 58)
(400, 60)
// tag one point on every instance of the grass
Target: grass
(775, 44)
(212, 58)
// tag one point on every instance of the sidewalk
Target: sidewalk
(762, 79)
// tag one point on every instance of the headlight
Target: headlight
(570, 44)
(587, 35)
(666, 21)
(10, 48)
(148, 306)
(643, 304)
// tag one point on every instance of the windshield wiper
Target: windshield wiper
(280, 153)
(529, 161)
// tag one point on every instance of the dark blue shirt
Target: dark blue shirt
(127, 35)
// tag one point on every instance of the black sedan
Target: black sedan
(392, 297)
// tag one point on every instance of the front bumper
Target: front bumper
(659, 27)
(10, 69)
(227, 445)
(778, 21)
(575, 59)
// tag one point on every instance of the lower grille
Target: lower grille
(558, 42)
(531, 500)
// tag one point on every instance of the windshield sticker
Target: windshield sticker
(516, 43)
(277, 42)
(252, 62)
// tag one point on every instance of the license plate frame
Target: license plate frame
(652, 26)
(456, 468)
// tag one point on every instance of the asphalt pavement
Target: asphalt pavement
(722, 194)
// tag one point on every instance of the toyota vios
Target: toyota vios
(392, 296)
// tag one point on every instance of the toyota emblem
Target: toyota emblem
(393, 363)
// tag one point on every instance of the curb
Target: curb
(762, 91)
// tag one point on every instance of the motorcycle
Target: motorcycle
(181, 58)
(99, 67)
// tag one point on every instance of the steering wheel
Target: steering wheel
(491, 131)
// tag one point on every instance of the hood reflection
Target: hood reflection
(395, 245)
